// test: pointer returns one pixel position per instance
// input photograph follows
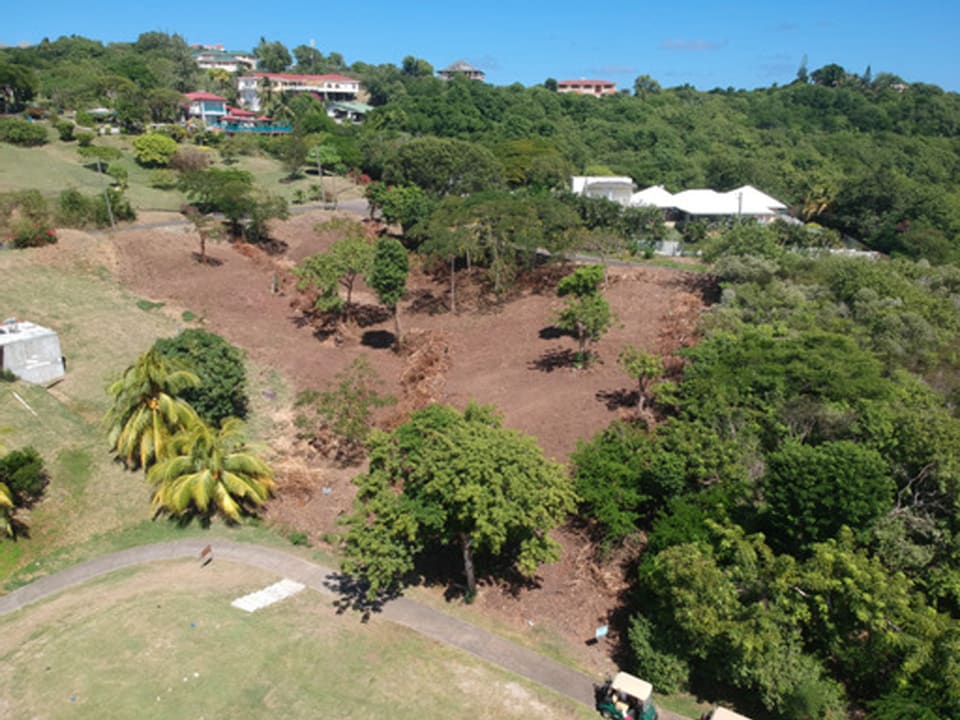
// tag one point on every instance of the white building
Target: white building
(326, 88)
(30, 352)
(617, 189)
(214, 57)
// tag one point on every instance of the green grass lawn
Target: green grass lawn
(162, 641)
(92, 505)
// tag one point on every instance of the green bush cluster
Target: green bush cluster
(74, 209)
(25, 219)
(18, 131)
(219, 365)
(23, 473)
(65, 129)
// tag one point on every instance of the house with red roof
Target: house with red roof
(596, 88)
(252, 89)
(206, 107)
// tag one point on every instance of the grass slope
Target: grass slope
(164, 642)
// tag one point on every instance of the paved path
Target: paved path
(424, 620)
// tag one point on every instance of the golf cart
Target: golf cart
(625, 697)
(722, 714)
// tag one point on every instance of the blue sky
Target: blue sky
(744, 44)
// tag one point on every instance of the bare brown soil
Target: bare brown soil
(507, 355)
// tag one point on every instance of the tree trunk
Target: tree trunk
(582, 339)
(467, 543)
(641, 395)
(396, 322)
(203, 249)
(453, 288)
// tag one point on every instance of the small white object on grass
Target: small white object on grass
(268, 596)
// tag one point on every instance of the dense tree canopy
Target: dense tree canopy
(451, 478)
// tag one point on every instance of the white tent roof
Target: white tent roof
(710, 202)
(579, 183)
(758, 197)
(656, 196)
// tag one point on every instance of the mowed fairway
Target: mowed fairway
(162, 641)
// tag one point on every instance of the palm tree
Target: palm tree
(146, 411)
(6, 511)
(209, 470)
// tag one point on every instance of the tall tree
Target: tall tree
(207, 470)
(587, 314)
(146, 410)
(273, 56)
(388, 276)
(454, 479)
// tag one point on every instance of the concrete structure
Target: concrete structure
(214, 57)
(587, 87)
(30, 352)
(617, 189)
(327, 88)
(461, 67)
(210, 109)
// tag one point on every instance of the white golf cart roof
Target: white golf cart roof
(632, 686)
(724, 714)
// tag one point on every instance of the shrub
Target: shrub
(25, 219)
(85, 119)
(118, 173)
(191, 159)
(219, 365)
(22, 472)
(66, 129)
(163, 179)
(74, 209)
(174, 132)
(299, 538)
(667, 673)
(154, 149)
(85, 138)
(7, 376)
(18, 131)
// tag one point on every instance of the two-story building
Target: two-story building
(210, 109)
(252, 89)
(214, 57)
(587, 87)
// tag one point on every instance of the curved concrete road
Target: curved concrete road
(424, 620)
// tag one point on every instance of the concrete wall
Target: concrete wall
(34, 357)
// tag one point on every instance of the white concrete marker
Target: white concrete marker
(268, 596)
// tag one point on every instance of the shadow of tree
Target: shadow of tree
(552, 332)
(554, 359)
(352, 595)
(207, 260)
(378, 339)
(615, 399)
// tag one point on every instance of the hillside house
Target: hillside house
(616, 189)
(253, 88)
(596, 88)
(31, 352)
(705, 204)
(462, 68)
(214, 57)
(210, 109)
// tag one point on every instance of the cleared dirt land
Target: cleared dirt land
(510, 356)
